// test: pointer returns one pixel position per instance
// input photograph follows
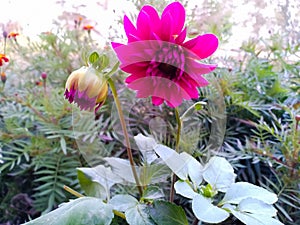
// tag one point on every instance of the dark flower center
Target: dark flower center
(167, 69)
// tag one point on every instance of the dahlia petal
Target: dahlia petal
(135, 76)
(203, 45)
(153, 17)
(190, 89)
(143, 25)
(178, 14)
(181, 37)
(159, 87)
(194, 68)
(116, 45)
(135, 67)
(167, 27)
(130, 29)
(157, 100)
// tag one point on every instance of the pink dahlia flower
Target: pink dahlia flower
(161, 62)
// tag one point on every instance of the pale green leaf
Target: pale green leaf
(123, 202)
(242, 190)
(85, 210)
(219, 173)
(205, 211)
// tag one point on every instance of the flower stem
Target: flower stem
(123, 124)
(179, 126)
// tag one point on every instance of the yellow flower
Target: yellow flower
(86, 88)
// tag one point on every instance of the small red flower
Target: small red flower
(12, 35)
(161, 62)
(88, 27)
(3, 58)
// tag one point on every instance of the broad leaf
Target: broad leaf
(184, 189)
(146, 146)
(256, 206)
(123, 202)
(153, 192)
(85, 210)
(205, 211)
(242, 190)
(194, 168)
(166, 213)
(122, 168)
(97, 181)
(251, 218)
(173, 160)
(154, 173)
(137, 216)
(219, 173)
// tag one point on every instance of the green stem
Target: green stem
(123, 124)
(192, 107)
(179, 126)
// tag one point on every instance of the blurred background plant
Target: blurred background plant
(260, 84)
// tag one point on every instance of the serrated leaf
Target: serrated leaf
(173, 160)
(219, 173)
(184, 189)
(137, 215)
(166, 213)
(242, 190)
(205, 211)
(85, 210)
(123, 202)
(97, 181)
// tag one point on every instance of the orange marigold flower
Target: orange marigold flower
(3, 58)
(12, 35)
(88, 27)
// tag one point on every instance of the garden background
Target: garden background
(258, 77)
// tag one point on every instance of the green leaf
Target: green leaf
(94, 58)
(85, 210)
(122, 167)
(252, 218)
(123, 202)
(256, 206)
(63, 145)
(219, 173)
(152, 193)
(97, 181)
(173, 160)
(242, 190)
(113, 70)
(205, 211)
(137, 216)
(146, 146)
(103, 62)
(195, 169)
(166, 213)
(184, 189)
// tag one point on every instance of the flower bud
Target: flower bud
(87, 88)
(44, 75)
(3, 77)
